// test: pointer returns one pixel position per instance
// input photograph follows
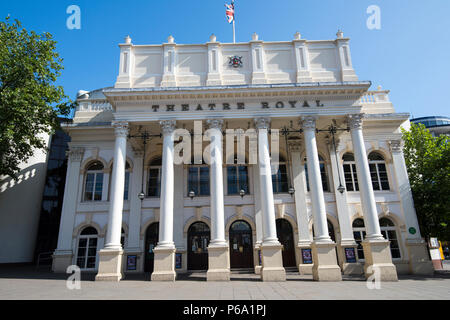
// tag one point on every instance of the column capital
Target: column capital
(75, 154)
(167, 126)
(309, 122)
(120, 128)
(215, 124)
(396, 146)
(355, 120)
(262, 123)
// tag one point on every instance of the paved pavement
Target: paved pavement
(26, 282)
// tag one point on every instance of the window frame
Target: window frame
(376, 164)
(238, 179)
(386, 236)
(353, 173)
(96, 173)
(154, 166)
(198, 180)
(87, 237)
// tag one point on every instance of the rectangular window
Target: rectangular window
(127, 182)
(154, 182)
(232, 182)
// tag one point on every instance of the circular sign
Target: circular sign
(412, 230)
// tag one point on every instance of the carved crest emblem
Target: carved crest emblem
(235, 62)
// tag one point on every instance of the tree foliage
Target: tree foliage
(30, 102)
(428, 162)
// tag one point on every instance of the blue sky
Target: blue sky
(410, 55)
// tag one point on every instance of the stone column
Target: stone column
(272, 260)
(62, 257)
(218, 253)
(110, 265)
(419, 262)
(377, 252)
(304, 240)
(323, 248)
(164, 265)
(134, 225)
(258, 219)
(347, 243)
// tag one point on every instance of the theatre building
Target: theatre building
(289, 162)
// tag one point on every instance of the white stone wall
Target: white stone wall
(20, 209)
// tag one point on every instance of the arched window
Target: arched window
(378, 172)
(280, 179)
(154, 178)
(351, 179)
(323, 174)
(237, 178)
(198, 179)
(87, 248)
(389, 232)
(93, 185)
(359, 233)
(127, 182)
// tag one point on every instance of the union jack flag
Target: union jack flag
(230, 11)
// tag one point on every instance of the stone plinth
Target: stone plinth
(218, 263)
(110, 265)
(377, 254)
(419, 262)
(272, 263)
(325, 264)
(164, 264)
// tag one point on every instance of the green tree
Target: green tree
(428, 162)
(30, 102)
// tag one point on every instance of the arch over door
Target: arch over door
(198, 241)
(241, 245)
(286, 237)
(151, 240)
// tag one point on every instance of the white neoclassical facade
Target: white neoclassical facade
(289, 162)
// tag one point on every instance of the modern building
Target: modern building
(437, 125)
(52, 196)
(20, 207)
(302, 167)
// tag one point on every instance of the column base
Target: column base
(110, 265)
(218, 263)
(419, 262)
(325, 265)
(378, 258)
(61, 260)
(164, 264)
(304, 268)
(349, 268)
(272, 263)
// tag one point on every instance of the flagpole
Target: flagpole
(234, 33)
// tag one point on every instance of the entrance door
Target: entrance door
(198, 241)
(151, 240)
(286, 238)
(241, 247)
